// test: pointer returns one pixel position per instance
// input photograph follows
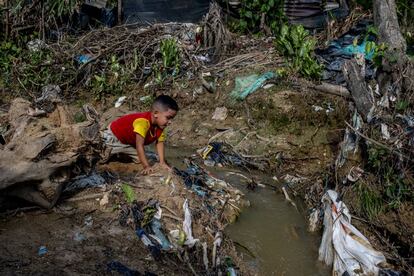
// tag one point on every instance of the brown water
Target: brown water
(271, 229)
(276, 233)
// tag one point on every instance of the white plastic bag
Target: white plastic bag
(342, 244)
(190, 241)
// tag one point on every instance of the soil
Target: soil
(282, 123)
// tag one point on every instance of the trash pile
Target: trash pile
(223, 154)
(183, 214)
(344, 48)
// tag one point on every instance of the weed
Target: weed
(370, 202)
(377, 157)
(402, 105)
(111, 81)
(170, 55)
(297, 46)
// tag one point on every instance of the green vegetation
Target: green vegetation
(370, 202)
(111, 81)
(297, 46)
(170, 55)
(394, 187)
(251, 13)
(61, 8)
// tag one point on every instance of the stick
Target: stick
(86, 197)
(168, 209)
(378, 143)
(119, 11)
(7, 19)
(288, 198)
(187, 259)
(333, 89)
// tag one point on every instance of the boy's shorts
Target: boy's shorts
(114, 146)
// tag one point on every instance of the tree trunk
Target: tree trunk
(42, 153)
(397, 72)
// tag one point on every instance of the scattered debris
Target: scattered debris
(120, 101)
(220, 114)
(42, 250)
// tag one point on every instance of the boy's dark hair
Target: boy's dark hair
(165, 102)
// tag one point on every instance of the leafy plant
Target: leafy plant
(170, 54)
(378, 51)
(8, 52)
(111, 81)
(297, 46)
(251, 13)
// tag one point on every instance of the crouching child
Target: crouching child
(130, 133)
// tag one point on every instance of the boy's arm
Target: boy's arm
(160, 151)
(141, 154)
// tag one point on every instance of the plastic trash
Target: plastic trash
(247, 85)
(313, 220)
(50, 93)
(155, 250)
(85, 181)
(79, 237)
(36, 45)
(205, 256)
(217, 243)
(385, 133)
(42, 250)
(342, 244)
(351, 141)
(160, 237)
(83, 59)
(124, 270)
(190, 241)
(88, 221)
(359, 49)
(120, 101)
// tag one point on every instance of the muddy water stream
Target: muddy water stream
(275, 232)
(271, 234)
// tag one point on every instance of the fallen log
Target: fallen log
(42, 153)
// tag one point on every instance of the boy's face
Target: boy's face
(164, 118)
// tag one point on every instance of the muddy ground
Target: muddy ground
(296, 129)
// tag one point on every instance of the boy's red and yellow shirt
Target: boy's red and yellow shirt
(128, 126)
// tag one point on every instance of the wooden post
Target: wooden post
(7, 19)
(119, 12)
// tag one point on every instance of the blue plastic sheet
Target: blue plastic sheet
(249, 84)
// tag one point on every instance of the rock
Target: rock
(105, 200)
(220, 114)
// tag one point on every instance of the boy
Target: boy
(130, 133)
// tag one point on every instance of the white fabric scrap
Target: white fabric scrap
(342, 244)
(190, 241)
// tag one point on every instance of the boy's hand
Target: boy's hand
(164, 165)
(147, 170)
